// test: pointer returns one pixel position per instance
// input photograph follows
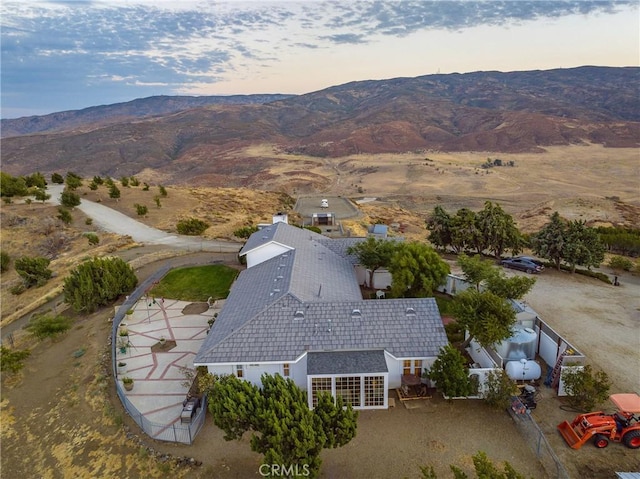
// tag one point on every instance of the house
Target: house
(297, 311)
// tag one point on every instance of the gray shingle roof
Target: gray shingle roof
(346, 362)
(259, 320)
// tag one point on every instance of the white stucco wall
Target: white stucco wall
(264, 253)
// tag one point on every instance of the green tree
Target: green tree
(69, 199)
(284, 429)
(514, 287)
(124, 181)
(114, 192)
(488, 318)
(549, 242)
(450, 373)
(475, 270)
(57, 178)
(439, 226)
(48, 325)
(484, 469)
(416, 270)
(97, 282)
(585, 388)
(12, 185)
(36, 180)
(41, 195)
(465, 233)
(339, 421)
(191, 226)
(33, 271)
(373, 254)
(582, 246)
(499, 389)
(5, 261)
(498, 230)
(97, 180)
(73, 181)
(64, 215)
(12, 360)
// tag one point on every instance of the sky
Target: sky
(60, 55)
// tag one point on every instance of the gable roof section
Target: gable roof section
(274, 334)
(259, 322)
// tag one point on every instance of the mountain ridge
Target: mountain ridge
(481, 111)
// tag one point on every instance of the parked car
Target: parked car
(523, 263)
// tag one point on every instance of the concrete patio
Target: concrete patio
(158, 390)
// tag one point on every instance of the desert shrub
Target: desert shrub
(64, 215)
(33, 271)
(124, 181)
(14, 220)
(52, 244)
(620, 263)
(97, 180)
(133, 181)
(73, 181)
(92, 238)
(57, 178)
(586, 388)
(48, 325)
(245, 231)
(163, 191)
(315, 229)
(69, 199)
(5, 261)
(145, 187)
(141, 209)
(114, 192)
(41, 195)
(88, 221)
(12, 360)
(93, 186)
(191, 226)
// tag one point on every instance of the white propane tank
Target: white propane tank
(523, 370)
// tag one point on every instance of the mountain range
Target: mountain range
(180, 138)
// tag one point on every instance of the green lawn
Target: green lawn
(197, 283)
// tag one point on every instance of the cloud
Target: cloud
(166, 46)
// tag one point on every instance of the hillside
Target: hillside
(484, 112)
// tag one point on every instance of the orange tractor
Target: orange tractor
(621, 426)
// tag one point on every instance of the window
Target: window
(285, 370)
(417, 367)
(374, 391)
(406, 367)
(319, 385)
(348, 388)
(239, 371)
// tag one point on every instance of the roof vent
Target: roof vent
(299, 314)
(410, 312)
(329, 326)
(356, 313)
